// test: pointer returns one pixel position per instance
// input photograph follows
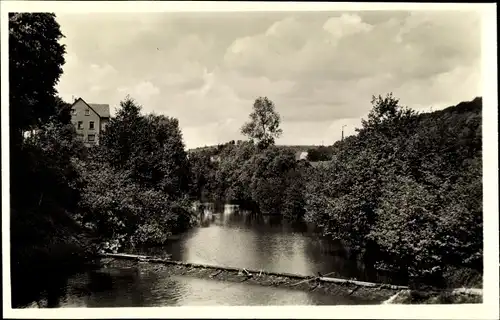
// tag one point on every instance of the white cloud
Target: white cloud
(320, 69)
(346, 25)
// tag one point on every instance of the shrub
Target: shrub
(121, 210)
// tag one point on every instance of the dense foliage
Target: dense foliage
(321, 153)
(34, 50)
(137, 180)
(255, 173)
(408, 185)
(269, 181)
(44, 184)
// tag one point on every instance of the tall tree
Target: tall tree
(35, 65)
(263, 126)
(44, 185)
(120, 138)
(150, 146)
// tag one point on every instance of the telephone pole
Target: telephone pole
(343, 131)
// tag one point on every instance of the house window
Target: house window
(80, 125)
(73, 111)
(87, 112)
(80, 136)
(91, 137)
(91, 125)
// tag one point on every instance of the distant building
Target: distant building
(301, 155)
(89, 119)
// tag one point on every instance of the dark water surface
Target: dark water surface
(146, 287)
(226, 237)
(236, 238)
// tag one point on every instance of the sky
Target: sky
(319, 68)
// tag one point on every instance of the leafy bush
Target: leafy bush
(119, 209)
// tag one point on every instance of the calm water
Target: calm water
(146, 287)
(227, 237)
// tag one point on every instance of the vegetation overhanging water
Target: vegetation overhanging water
(404, 193)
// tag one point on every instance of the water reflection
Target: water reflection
(146, 286)
(228, 236)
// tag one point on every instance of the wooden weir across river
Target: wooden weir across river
(377, 291)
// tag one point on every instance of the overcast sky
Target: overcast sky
(320, 68)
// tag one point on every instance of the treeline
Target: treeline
(404, 194)
(255, 174)
(268, 181)
(215, 149)
(406, 191)
(407, 187)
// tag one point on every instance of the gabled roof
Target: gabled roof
(101, 109)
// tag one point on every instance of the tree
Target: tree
(149, 147)
(138, 180)
(233, 174)
(263, 126)
(35, 65)
(119, 139)
(44, 183)
(386, 117)
(203, 175)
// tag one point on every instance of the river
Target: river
(226, 237)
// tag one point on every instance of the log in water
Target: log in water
(383, 293)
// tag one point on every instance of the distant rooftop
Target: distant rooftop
(101, 109)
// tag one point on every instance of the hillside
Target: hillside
(463, 116)
(216, 148)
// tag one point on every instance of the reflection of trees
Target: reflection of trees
(331, 256)
(275, 221)
(251, 218)
(117, 287)
(277, 248)
(326, 259)
(299, 226)
(55, 291)
(205, 219)
(37, 286)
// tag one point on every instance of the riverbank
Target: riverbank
(365, 292)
